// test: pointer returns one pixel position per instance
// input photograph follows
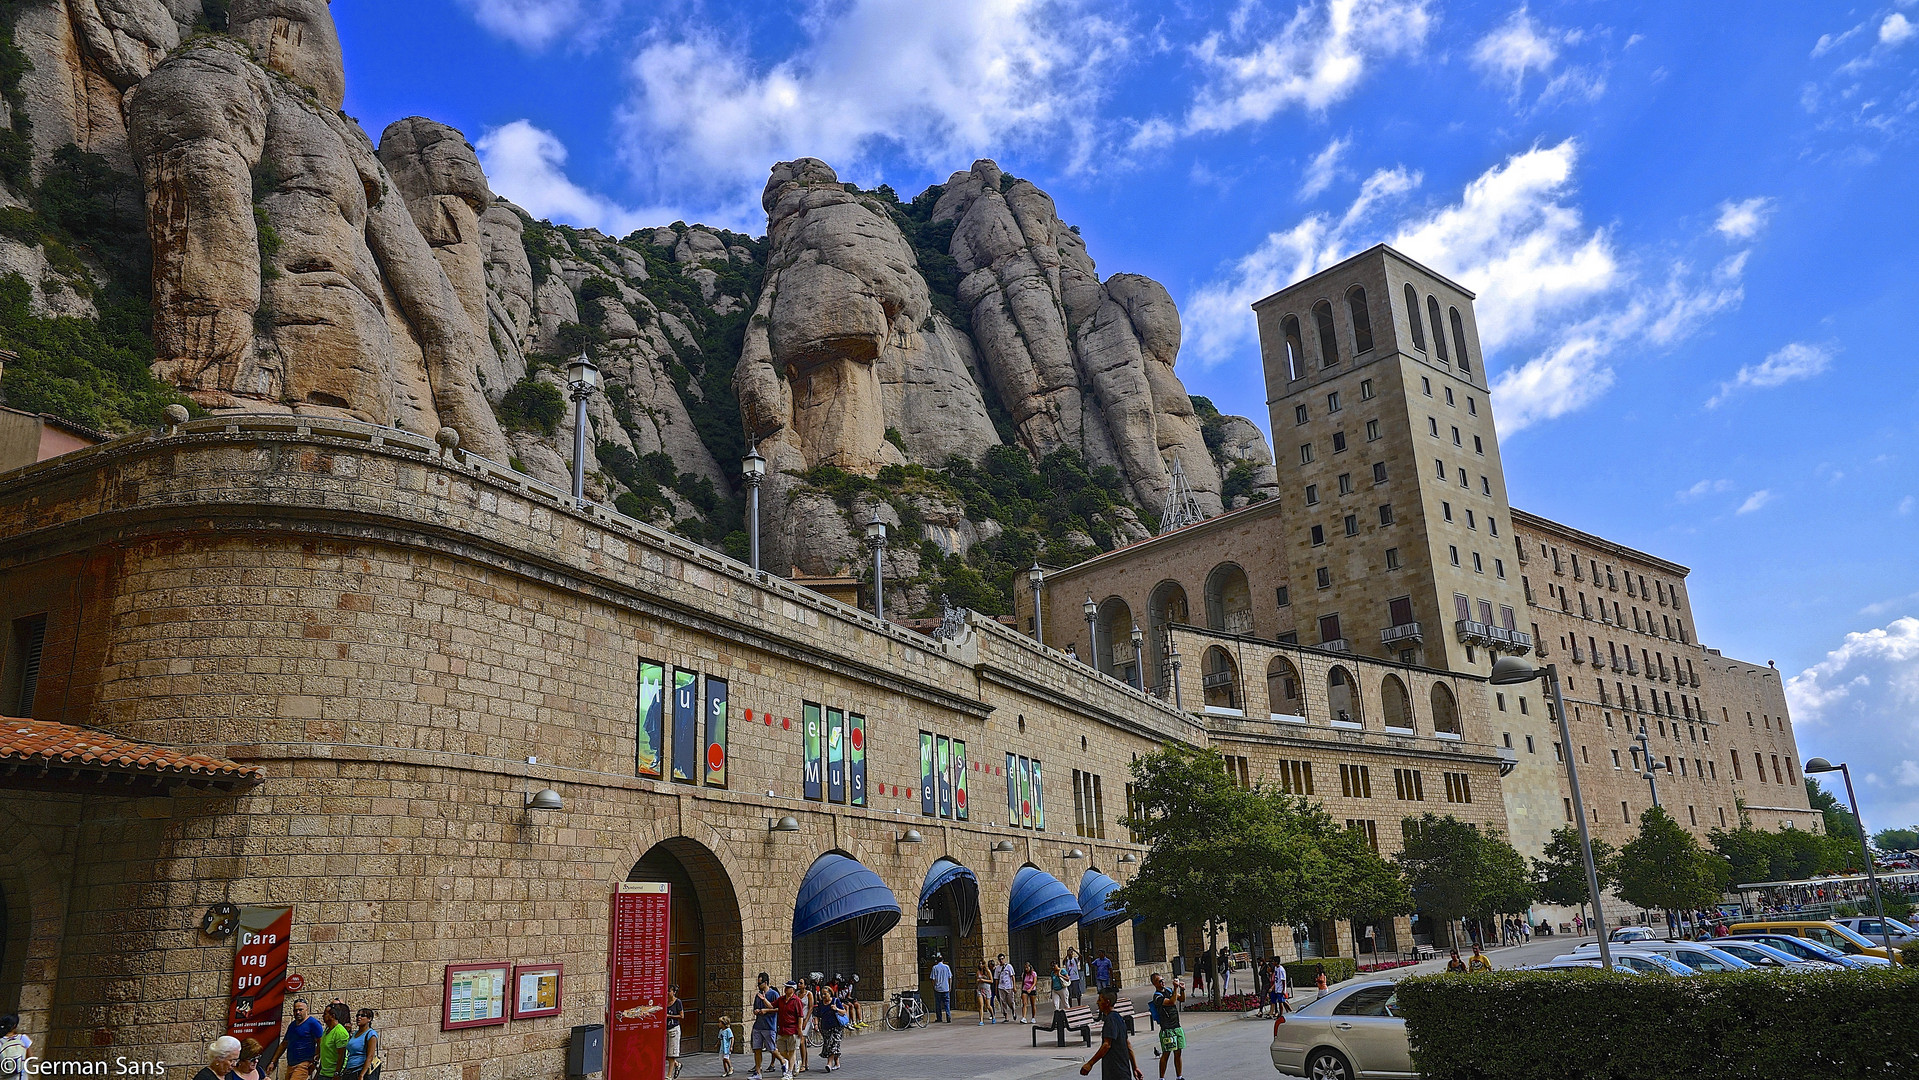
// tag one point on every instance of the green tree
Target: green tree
(1361, 885)
(1560, 877)
(1456, 870)
(1665, 868)
(1839, 820)
(1905, 839)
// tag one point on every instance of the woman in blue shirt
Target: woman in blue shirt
(363, 1049)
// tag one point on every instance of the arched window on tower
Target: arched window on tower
(1439, 327)
(1295, 352)
(1412, 316)
(1362, 320)
(1328, 345)
(1459, 341)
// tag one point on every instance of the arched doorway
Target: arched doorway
(1039, 907)
(1229, 600)
(1219, 676)
(1445, 712)
(840, 918)
(1284, 698)
(948, 921)
(1116, 640)
(1396, 703)
(1166, 607)
(1342, 695)
(705, 949)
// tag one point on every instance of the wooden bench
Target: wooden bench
(1083, 1019)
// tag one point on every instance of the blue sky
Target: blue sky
(1691, 228)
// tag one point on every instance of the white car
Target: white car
(1631, 933)
(1701, 958)
(1761, 955)
(1867, 926)
(1633, 959)
(1352, 1032)
(1580, 964)
(1808, 949)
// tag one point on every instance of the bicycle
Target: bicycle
(906, 1011)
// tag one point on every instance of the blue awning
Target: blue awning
(1041, 903)
(962, 893)
(1097, 911)
(839, 890)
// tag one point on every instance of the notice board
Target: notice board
(636, 981)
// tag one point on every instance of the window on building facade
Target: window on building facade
(1408, 785)
(1332, 402)
(1324, 575)
(1319, 535)
(1432, 426)
(1299, 414)
(1296, 777)
(1312, 494)
(1412, 317)
(1459, 787)
(1328, 344)
(1426, 385)
(1345, 483)
(1305, 453)
(1366, 828)
(1283, 595)
(1478, 567)
(1362, 319)
(1472, 405)
(1295, 352)
(1456, 441)
(1386, 514)
(1352, 524)
(1453, 551)
(1479, 445)
(1439, 327)
(1355, 782)
(1366, 392)
(1372, 431)
(1446, 510)
(1339, 441)
(1392, 558)
(1459, 341)
(1379, 472)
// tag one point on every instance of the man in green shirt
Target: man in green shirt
(333, 1043)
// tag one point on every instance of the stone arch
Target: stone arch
(1229, 599)
(838, 949)
(1295, 350)
(32, 910)
(1285, 692)
(1115, 622)
(1342, 696)
(706, 940)
(1412, 317)
(1165, 607)
(1362, 319)
(1396, 705)
(1328, 343)
(1445, 711)
(1219, 677)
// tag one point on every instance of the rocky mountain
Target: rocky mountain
(187, 214)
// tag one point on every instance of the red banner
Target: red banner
(636, 982)
(259, 973)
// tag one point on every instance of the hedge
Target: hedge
(1338, 969)
(1758, 1025)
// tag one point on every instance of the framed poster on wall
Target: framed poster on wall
(536, 990)
(835, 756)
(815, 775)
(715, 732)
(650, 721)
(943, 769)
(959, 779)
(476, 995)
(856, 758)
(686, 726)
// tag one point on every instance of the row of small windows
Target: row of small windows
(1667, 594)
(1360, 319)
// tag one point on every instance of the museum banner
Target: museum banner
(636, 981)
(259, 973)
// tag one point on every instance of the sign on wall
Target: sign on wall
(815, 769)
(959, 779)
(476, 995)
(636, 981)
(259, 973)
(835, 756)
(715, 732)
(856, 757)
(929, 787)
(536, 990)
(1039, 800)
(650, 721)
(686, 726)
(943, 766)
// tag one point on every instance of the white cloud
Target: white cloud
(1905, 506)
(1860, 704)
(535, 24)
(1754, 501)
(939, 83)
(1320, 172)
(1313, 59)
(1885, 607)
(1829, 42)
(1742, 220)
(1792, 363)
(1514, 48)
(1704, 488)
(527, 165)
(1897, 30)
(1545, 279)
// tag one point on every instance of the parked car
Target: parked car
(1632, 933)
(1868, 927)
(1761, 955)
(1640, 960)
(1698, 957)
(1352, 1032)
(1808, 949)
(1825, 933)
(1582, 964)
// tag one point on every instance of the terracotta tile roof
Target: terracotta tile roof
(36, 749)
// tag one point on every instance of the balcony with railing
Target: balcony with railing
(1631, 667)
(1521, 641)
(1338, 644)
(1404, 633)
(1238, 622)
(1473, 633)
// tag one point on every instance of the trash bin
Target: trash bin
(586, 1050)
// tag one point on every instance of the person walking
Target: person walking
(792, 1017)
(332, 1057)
(1276, 986)
(13, 1047)
(1075, 978)
(726, 1046)
(1059, 988)
(1115, 1053)
(675, 1013)
(807, 994)
(1479, 961)
(1103, 971)
(249, 1064)
(983, 988)
(1029, 994)
(828, 1017)
(300, 1043)
(1164, 1005)
(942, 991)
(362, 1049)
(1455, 963)
(222, 1054)
(764, 1032)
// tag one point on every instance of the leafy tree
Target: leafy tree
(1457, 870)
(1905, 839)
(1361, 885)
(1665, 868)
(532, 405)
(1839, 820)
(1560, 877)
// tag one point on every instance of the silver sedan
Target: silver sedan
(1353, 1032)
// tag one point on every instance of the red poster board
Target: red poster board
(536, 990)
(636, 982)
(259, 973)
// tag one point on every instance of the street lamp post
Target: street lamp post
(1172, 658)
(1821, 765)
(582, 378)
(753, 470)
(1036, 577)
(1646, 762)
(1139, 657)
(876, 539)
(1509, 670)
(1091, 610)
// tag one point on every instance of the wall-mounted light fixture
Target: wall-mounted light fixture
(783, 824)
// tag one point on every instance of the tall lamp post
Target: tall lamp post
(1139, 658)
(753, 470)
(1091, 610)
(1821, 765)
(1036, 577)
(1172, 658)
(1651, 768)
(876, 539)
(582, 378)
(1509, 671)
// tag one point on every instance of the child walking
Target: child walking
(726, 1046)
